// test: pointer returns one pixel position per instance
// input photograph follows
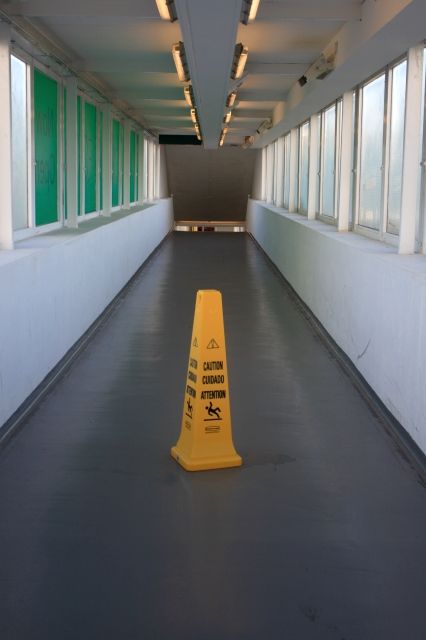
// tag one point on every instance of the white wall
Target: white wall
(369, 299)
(52, 288)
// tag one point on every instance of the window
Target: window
(270, 173)
(115, 162)
(46, 148)
(398, 78)
(372, 98)
(303, 182)
(90, 157)
(19, 135)
(329, 151)
(286, 197)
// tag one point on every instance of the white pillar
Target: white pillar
(294, 159)
(6, 223)
(71, 159)
(412, 151)
(345, 191)
(313, 168)
(126, 142)
(279, 173)
(106, 160)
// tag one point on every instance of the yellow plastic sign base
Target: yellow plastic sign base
(205, 440)
(206, 464)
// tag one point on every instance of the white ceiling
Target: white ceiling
(123, 48)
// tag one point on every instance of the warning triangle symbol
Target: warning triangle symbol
(212, 344)
(195, 343)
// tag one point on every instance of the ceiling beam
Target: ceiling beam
(82, 8)
(326, 10)
(209, 32)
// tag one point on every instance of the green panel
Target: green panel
(115, 161)
(90, 125)
(132, 166)
(79, 155)
(65, 155)
(141, 163)
(46, 148)
(101, 148)
(122, 161)
(137, 169)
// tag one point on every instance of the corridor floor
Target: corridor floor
(320, 535)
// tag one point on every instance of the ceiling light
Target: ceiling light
(222, 136)
(197, 130)
(189, 96)
(179, 57)
(227, 117)
(167, 10)
(249, 10)
(239, 61)
(231, 99)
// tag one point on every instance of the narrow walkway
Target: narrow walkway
(320, 535)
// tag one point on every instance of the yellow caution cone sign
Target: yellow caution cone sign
(205, 441)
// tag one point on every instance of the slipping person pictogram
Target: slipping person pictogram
(213, 412)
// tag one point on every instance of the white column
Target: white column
(126, 142)
(6, 224)
(412, 151)
(71, 159)
(106, 160)
(313, 168)
(279, 173)
(294, 158)
(345, 191)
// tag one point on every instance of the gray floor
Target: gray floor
(321, 534)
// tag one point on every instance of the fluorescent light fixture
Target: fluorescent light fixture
(167, 10)
(179, 57)
(194, 116)
(222, 136)
(249, 10)
(189, 96)
(197, 130)
(231, 99)
(227, 117)
(239, 61)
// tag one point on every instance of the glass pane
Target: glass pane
(328, 161)
(115, 161)
(303, 166)
(90, 160)
(46, 148)
(286, 170)
(373, 99)
(396, 151)
(19, 143)
(270, 174)
(318, 161)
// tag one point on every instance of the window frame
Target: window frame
(381, 233)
